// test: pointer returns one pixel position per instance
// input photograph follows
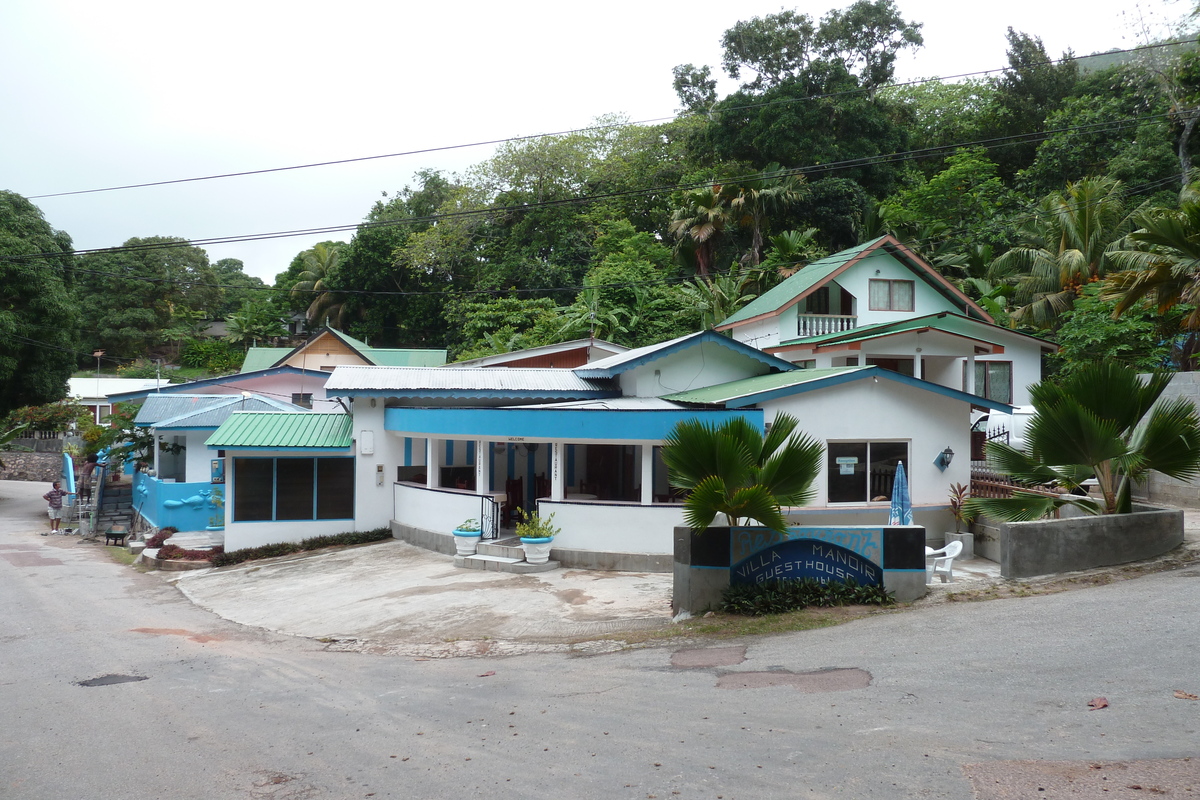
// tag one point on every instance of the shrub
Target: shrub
(163, 534)
(778, 597)
(213, 355)
(287, 548)
(174, 552)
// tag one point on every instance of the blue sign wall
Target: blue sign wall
(823, 554)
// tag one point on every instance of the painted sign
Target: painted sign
(821, 554)
(846, 464)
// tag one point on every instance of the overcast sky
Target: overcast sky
(99, 94)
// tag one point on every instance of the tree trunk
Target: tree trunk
(1185, 158)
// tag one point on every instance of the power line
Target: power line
(586, 129)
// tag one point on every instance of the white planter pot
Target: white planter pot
(537, 551)
(465, 542)
(968, 543)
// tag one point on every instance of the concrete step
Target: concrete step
(504, 548)
(191, 541)
(501, 564)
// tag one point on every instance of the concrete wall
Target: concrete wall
(1168, 491)
(1046, 547)
(30, 466)
(614, 527)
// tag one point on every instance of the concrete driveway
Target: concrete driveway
(393, 597)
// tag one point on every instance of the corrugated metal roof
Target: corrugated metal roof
(615, 404)
(465, 382)
(284, 430)
(263, 358)
(615, 365)
(723, 393)
(95, 388)
(165, 406)
(215, 415)
(533, 352)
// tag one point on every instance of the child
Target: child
(55, 498)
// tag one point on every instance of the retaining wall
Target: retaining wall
(1159, 488)
(1046, 547)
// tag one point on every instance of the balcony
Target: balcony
(821, 324)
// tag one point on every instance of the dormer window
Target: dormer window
(891, 295)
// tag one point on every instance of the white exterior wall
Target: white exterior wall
(372, 488)
(435, 511)
(765, 332)
(707, 364)
(1026, 358)
(926, 300)
(198, 463)
(886, 410)
(614, 527)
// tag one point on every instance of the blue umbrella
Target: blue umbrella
(68, 476)
(901, 513)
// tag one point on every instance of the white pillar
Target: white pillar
(970, 388)
(483, 466)
(558, 471)
(647, 474)
(433, 462)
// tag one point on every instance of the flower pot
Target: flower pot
(465, 542)
(968, 543)
(537, 551)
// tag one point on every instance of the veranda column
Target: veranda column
(970, 387)
(483, 467)
(647, 474)
(558, 470)
(433, 462)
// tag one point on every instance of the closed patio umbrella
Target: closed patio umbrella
(901, 513)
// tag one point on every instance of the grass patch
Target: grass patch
(721, 626)
(123, 556)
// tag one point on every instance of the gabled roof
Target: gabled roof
(615, 365)
(316, 376)
(374, 356)
(264, 358)
(204, 411)
(466, 383)
(818, 273)
(763, 388)
(944, 321)
(500, 359)
(310, 430)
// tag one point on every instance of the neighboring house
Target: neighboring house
(432, 447)
(94, 392)
(301, 387)
(177, 485)
(880, 304)
(327, 348)
(564, 355)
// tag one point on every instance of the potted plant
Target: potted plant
(536, 535)
(466, 537)
(959, 495)
(217, 501)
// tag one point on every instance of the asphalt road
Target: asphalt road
(924, 702)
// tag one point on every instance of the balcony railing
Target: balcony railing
(821, 324)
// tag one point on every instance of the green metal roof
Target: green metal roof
(945, 321)
(724, 392)
(263, 358)
(268, 429)
(812, 275)
(405, 358)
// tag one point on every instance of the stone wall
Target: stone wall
(1159, 488)
(1047, 547)
(20, 466)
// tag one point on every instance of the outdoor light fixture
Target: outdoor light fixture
(943, 459)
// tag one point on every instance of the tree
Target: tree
(39, 323)
(1090, 332)
(732, 469)
(718, 296)
(699, 220)
(751, 200)
(695, 87)
(867, 37)
(1160, 261)
(1065, 246)
(258, 320)
(1100, 422)
(325, 306)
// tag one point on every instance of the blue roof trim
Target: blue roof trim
(862, 374)
(684, 344)
(348, 451)
(237, 377)
(482, 394)
(558, 424)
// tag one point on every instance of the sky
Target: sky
(97, 95)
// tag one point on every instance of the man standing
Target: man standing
(55, 498)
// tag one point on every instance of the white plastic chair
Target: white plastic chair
(942, 564)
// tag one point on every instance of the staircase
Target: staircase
(502, 555)
(116, 506)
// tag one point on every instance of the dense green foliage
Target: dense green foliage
(780, 597)
(1025, 188)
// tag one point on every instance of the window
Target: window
(993, 380)
(267, 489)
(863, 472)
(304, 400)
(891, 295)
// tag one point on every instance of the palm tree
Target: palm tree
(699, 221)
(736, 471)
(752, 200)
(1161, 261)
(792, 250)
(588, 317)
(328, 306)
(718, 297)
(255, 321)
(1066, 245)
(1100, 422)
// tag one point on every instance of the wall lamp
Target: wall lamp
(943, 459)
